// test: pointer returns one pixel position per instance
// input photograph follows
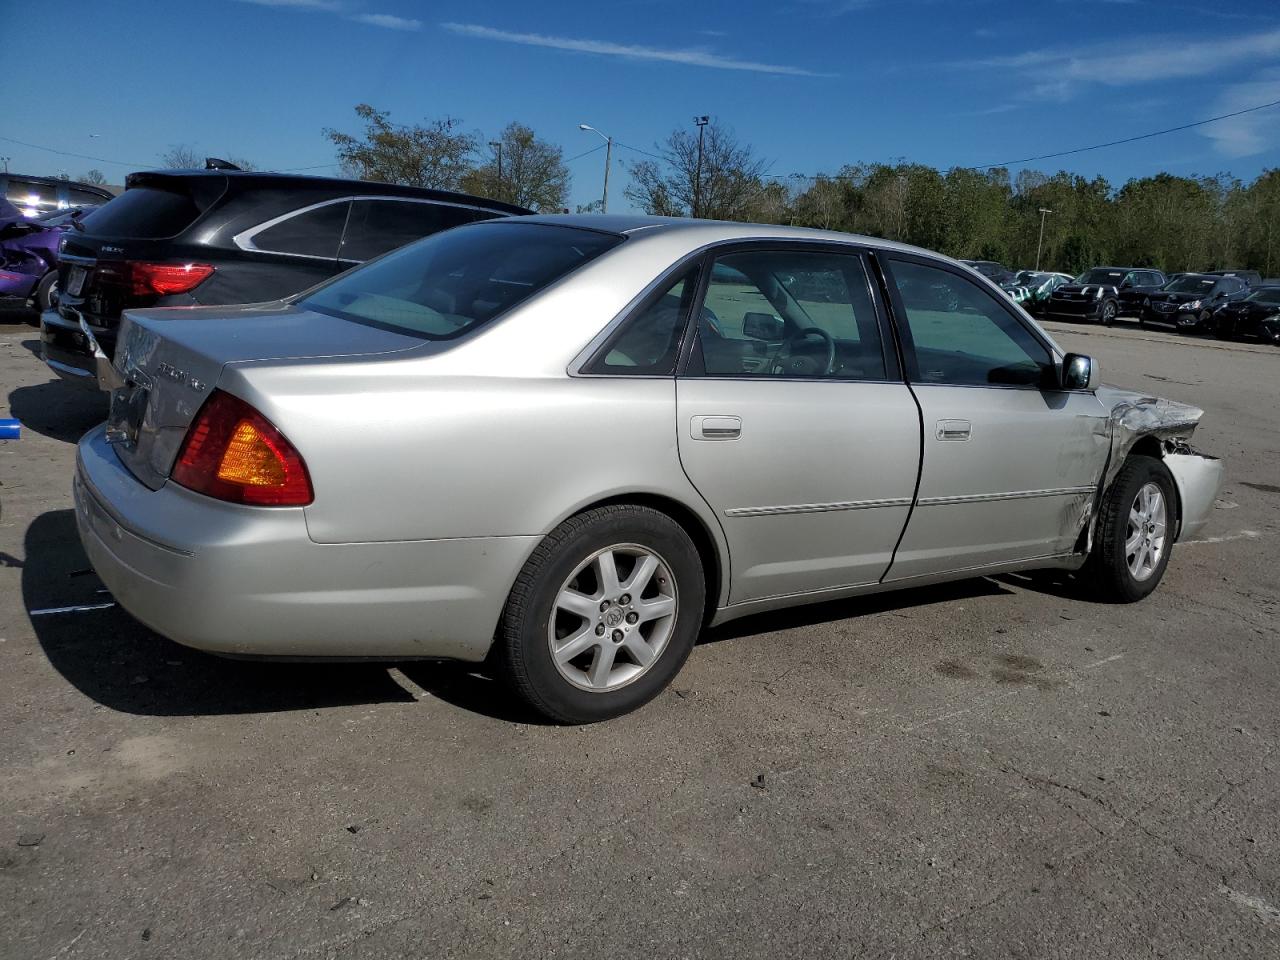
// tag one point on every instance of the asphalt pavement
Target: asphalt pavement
(994, 768)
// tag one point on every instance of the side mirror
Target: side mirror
(763, 326)
(1079, 372)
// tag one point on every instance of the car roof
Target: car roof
(238, 180)
(711, 231)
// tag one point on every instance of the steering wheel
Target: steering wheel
(787, 364)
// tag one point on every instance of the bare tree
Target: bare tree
(93, 176)
(181, 156)
(724, 186)
(436, 154)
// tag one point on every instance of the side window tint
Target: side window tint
(961, 334)
(790, 314)
(377, 226)
(648, 343)
(313, 233)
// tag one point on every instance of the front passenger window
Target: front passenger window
(962, 334)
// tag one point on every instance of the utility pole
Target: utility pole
(608, 156)
(6, 163)
(497, 145)
(701, 123)
(1040, 245)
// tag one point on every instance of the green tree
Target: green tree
(723, 186)
(436, 154)
(533, 172)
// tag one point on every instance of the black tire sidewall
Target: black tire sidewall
(1112, 569)
(526, 623)
(43, 290)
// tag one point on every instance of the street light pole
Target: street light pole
(701, 123)
(497, 145)
(1040, 244)
(608, 155)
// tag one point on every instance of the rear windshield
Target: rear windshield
(453, 282)
(1190, 285)
(144, 213)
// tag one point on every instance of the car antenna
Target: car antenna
(216, 163)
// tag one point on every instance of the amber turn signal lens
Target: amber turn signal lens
(250, 459)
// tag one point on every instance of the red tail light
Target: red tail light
(162, 279)
(234, 453)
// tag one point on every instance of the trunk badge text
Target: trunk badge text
(170, 372)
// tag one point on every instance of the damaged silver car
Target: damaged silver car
(565, 445)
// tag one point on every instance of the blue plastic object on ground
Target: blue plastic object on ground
(10, 430)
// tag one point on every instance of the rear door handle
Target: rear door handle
(954, 430)
(715, 428)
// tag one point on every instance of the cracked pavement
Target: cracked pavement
(994, 768)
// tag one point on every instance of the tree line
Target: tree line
(1164, 221)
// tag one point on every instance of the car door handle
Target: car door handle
(715, 428)
(954, 430)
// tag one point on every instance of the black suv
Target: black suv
(1104, 293)
(1188, 302)
(994, 271)
(196, 237)
(38, 196)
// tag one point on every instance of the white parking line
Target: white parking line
(1242, 535)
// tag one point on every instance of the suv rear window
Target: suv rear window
(452, 282)
(144, 213)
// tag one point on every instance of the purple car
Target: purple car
(29, 256)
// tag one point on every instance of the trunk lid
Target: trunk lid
(170, 360)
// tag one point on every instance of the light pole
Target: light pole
(701, 123)
(608, 155)
(6, 163)
(497, 145)
(1040, 244)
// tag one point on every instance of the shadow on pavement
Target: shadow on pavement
(853, 607)
(111, 658)
(58, 410)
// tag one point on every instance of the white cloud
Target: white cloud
(1057, 74)
(1252, 133)
(389, 21)
(689, 56)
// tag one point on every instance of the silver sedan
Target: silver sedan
(565, 445)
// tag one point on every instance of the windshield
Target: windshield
(455, 281)
(1112, 278)
(1029, 276)
(1265, 295)
(1190, 285)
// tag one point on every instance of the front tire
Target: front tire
(1135, 532)
(44, 295)
(1109, 312)
(603, 615)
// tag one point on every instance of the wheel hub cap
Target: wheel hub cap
(612, 618)
(1145, 537)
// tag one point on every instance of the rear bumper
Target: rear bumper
(67, 351)
(1198, 478)
(249, 581)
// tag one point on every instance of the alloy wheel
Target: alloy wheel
(1145, 537)
(613, 617)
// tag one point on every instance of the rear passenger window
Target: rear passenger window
(648, 343)
(310, 233)
(377, 226)
(963, 335)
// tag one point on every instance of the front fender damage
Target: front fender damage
(1135, 418)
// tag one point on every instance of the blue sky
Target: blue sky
(811, 84)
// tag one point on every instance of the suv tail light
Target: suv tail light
(163, 279)
(143, 279)
(234, 453)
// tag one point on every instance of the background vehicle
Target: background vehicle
(37, 196)
(991, 269)
(690, 432)
(1104, 294)
(1252, 277)
(1257, 315)
(1031, 288)
(186, 238)
(1188, 302)
(29, 256)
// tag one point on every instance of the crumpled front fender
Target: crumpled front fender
(1198, 477)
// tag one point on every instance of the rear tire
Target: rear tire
(603, 615)
(1135, 532)
(43, 295)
